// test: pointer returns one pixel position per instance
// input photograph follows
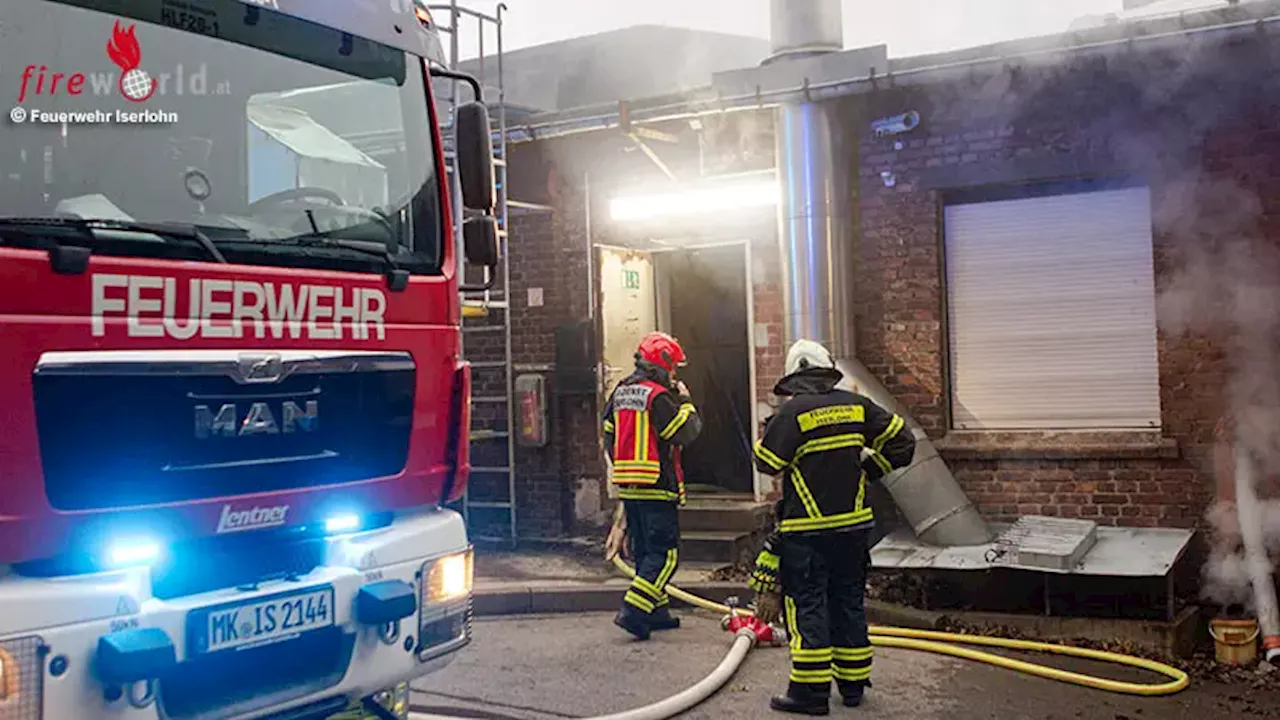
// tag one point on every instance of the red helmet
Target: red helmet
(661, 350)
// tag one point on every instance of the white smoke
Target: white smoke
(1228, 289)
(1174, 115)
(1225, 574)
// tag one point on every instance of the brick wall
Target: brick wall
(766, 278)
(543, 256)
(1202, 129)
(553, 253)
(767, 307)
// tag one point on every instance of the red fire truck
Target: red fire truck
(233, 397)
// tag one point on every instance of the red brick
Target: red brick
(1111, 499)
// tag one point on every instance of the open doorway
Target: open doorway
(703, 300)
(701, 296)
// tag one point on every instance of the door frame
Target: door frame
(760, 483)
(597, 301)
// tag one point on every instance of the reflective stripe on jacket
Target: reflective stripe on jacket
(815, 441)
(645, 424)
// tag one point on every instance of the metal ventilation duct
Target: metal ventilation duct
(816, 240)
(816, 227)
(816, 224)
(800, 28)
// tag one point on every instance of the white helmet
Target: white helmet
(806, 355)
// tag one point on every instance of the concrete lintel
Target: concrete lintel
(855, 62)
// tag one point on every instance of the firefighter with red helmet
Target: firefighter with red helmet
(649, 416)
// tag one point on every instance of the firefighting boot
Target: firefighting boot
(801, 700)
(633, 620)
(851, 692)
(662, 619)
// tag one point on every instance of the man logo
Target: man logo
(259, 420)
(254, 368)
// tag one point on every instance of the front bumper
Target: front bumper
(79, 644)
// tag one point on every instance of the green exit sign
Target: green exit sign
(631, 279)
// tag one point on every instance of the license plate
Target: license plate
(262, 621)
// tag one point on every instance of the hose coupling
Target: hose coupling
(764, 633)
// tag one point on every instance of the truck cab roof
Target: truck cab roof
(403, 24)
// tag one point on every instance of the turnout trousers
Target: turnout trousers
(653, 529)
(824, 584)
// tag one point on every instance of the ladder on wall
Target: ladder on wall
(489, 505)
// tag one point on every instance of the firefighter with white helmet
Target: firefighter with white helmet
(813, 568)
(648, 418)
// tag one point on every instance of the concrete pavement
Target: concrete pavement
(579, 665)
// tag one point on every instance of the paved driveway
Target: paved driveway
(568, 666)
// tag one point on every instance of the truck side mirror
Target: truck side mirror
(474, 146)
(480, 240)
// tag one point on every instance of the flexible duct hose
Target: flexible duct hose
(944, 643)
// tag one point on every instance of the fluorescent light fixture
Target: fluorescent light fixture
(342, 524)
(133, 552)
(695, 201)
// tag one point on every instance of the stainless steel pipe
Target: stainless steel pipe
(816, 239)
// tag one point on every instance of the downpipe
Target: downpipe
(748, 632)
(1255, 551)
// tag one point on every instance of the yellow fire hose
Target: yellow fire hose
(944, 643)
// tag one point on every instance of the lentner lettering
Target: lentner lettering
(253, 518)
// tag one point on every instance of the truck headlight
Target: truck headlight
(10, 676)
(21, 676)
(448, 579)
(444, 614)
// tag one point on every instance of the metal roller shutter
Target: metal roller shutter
(1051, 309)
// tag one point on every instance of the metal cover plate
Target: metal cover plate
(1045, 543)
(1119, 552)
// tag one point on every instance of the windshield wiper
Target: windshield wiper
(74, 260)
(397, 277)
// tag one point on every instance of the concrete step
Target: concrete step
(714, 546)
(693, 571)
(715, 515)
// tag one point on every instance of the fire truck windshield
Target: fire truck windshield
(283, 141)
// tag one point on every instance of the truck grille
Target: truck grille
(233, 682)
(234, 560)
(22, 682)
(122, 429)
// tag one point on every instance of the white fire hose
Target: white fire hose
(1255, 551)
(747, 631)
(743, 641)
